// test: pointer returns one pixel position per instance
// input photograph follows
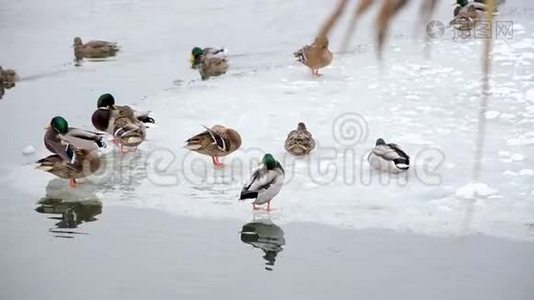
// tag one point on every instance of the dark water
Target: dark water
(127, 253)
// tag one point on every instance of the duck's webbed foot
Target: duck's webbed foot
(72, 183)
(216, 163)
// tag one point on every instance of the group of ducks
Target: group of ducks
(211, 61)
(214, 61)
(75, 151)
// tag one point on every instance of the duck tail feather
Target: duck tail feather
(248, 195)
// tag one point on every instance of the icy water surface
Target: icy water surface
(165, 218)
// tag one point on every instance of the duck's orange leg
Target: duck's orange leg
(72, 182)
(216, 162)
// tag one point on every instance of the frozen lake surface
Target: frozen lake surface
(429, 106)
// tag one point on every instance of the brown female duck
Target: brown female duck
(216, 142)
(299, 141)
(316, 56)
(94, 49)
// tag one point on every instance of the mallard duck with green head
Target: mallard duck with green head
(106, 112)
(124, 123)
(209, 62)
(75, 151)
(217, 141)
(299, 141)
(264, 183)
(59, 136)
(94, 49)
(197, 54)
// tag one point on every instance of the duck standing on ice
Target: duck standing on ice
(125, 124)
(264, 183)
(75, 154)
(316, 56)
(216, 141)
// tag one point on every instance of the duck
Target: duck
(461, 4)
(468, 15)
(264, 183)
(105, 114)
(8, 77)
(127, 130)
(94, 49)
(198, 53)
(388, 157)
(216, 142)
(61, 139)
(299, 141)
(87, 162)
(124, 123)
(316, 56)
(212, 67)
(74, 151)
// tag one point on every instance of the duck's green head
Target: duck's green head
(195, 54)
(59, 124)
(380, 142)
(106, 100)
(269, 161)
(462, 3)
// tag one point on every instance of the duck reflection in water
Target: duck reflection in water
(74, 206)
(72, 213)
(267, 236)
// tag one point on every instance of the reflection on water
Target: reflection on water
(72, 213)
(75, 206)
(267, 236)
